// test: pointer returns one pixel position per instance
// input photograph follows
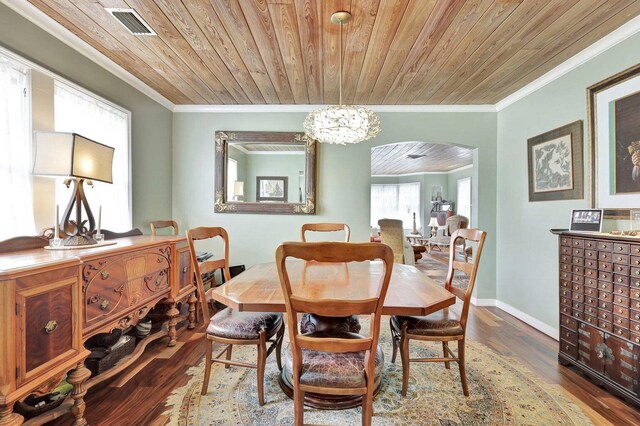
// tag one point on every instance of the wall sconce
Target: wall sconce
(238, 190)
(433, 223)
(82, 159)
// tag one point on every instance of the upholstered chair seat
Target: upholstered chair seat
(337, 370)
(441, 323)
(232, 324)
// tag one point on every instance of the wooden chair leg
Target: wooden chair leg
(298, 407)
(207, 366)
(404, 356)
(262, 361)
(394, 343)
(445, 349)
(279, 338)
(367, 408)
(229, 350)
(463, 374)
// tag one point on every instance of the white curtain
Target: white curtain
(396, 201)
(232, 177)
(80, 113)
(16, 188)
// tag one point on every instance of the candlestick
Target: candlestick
(56, 231)
(99, 219)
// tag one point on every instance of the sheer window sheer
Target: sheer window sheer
(80, 113)
(15, 151)
(396, 201)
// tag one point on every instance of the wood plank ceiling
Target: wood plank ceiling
(421, 52)
(418, 157)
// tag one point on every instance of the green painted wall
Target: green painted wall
(527, 267)
(344, 178)
(151, 124)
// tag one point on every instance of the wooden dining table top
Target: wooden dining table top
(411, 291)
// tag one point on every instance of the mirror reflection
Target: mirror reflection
(265, 172)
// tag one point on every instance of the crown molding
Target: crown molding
(309, 108)
(459, 169)
(624, 32)
(41, 20)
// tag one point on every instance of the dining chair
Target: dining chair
(443, 326)
(336, 362)
(231, 327)
(161, 224)
(392, 234)
(326, 227)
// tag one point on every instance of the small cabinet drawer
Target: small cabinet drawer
(605, 295)
(605, 276)
(578, 270)
(578, 253)
(620, 321)
(591, 319)
(605, 325)
(634, 304)
(634, 315)
(591, 254)
(635, 272)
(569, 336)
(621, 279)
(621, 311)
(634, 293)
(605, 266)
(591, 300)
(605, 304)
(604, 256)
(577, 242)
(634, 249)
(634, 326)
(590, 244)
(568, 349)
(621, 290)
(591, 282)
(634, 260)
(576, 278)
(185, 271)
(578, 287)
(566, 250)
(620, 300)
(605, 286)
(590, 310)
(621, 258)
(565, 310)
(605, 246)
(620, 331)
(565, 258)
(621, 248)
(568, 322)
(634, 337)
(565, 241)
(577, 314)
(604, 314)
(591, 273)
(621, 269)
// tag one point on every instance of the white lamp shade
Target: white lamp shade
(238, 188)
(70, 154)
(433, 223)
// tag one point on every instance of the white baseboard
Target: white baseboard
(524, 317)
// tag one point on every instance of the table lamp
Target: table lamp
(433, 223)
(79, 159)
(238, 190)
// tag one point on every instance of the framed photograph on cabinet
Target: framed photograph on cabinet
(555, 164)
(614, 133)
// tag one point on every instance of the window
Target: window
(463, 201)
(15, 150)
(78, 112)
(232, 177)
(396, 201)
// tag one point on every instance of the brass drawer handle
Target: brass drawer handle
(159, 259)
(185, 269)
(105, 275)
(104, 305)
(51, 326)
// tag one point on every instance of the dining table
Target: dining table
(410, 292)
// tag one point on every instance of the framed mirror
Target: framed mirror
(265, 172)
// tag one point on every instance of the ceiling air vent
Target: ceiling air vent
(415, 156)
(131, 21)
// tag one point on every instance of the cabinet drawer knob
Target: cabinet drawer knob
(51, 326)
(105, 275)
(104, 305)
(185, 269)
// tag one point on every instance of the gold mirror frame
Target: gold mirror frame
(222, 205)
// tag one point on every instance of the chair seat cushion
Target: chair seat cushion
(337, 370)
(232, 324)
(441, 323)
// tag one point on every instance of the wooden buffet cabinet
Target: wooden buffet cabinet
(600, 309)
(52, 301)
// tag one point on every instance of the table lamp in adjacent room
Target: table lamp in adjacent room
(79, 159)
(433, 223)
(238, 190)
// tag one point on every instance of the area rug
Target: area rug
(502, 392)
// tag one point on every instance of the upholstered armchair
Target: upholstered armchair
(392, 234)
(454, 223)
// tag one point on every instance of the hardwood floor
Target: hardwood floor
(136, 396)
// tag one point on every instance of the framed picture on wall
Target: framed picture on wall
(614, 133)
(555, 164)
(271, 188)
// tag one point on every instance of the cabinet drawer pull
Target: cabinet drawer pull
(105, 275)
(159, 259)
(185, 269)
(104, 305)
(51, 326)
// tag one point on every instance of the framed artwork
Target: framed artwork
(555, 164)
(614, 132)
(271, 188)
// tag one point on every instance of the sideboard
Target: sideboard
(52, 301)
(600, 309)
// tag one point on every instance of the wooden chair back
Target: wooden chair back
(209, 265)
(334, 252)
(458, 262)
(326, 227)
(110, 235)
(160, 224)
(392, 234)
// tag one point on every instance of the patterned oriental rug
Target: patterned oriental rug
(502, 392)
